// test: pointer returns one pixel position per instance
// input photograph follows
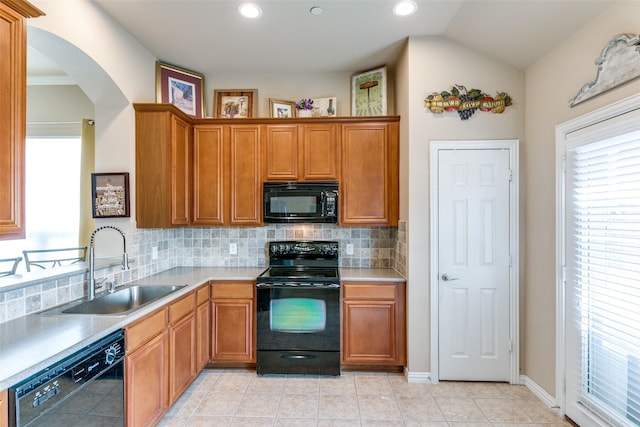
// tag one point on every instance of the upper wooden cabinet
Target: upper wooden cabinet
(321, 152)
(13, 111)
(209, 172)
(163, 167)
(227, 186)
(308, 152)
(208, 175)
(244, 198)
(281, 153)
(369, 177)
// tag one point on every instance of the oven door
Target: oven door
(298, 329)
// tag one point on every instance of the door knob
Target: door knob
(448, 278)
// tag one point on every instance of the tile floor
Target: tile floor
(241, 398)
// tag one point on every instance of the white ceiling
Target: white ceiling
(208, 36)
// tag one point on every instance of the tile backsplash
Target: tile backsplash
(373, 247)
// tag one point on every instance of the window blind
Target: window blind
(602, 244)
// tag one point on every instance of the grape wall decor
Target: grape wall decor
(466, 102)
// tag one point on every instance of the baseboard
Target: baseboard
(539, 392)
(417, 377)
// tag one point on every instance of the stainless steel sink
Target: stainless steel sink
(122, 301)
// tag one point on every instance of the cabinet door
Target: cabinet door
(203, 327)
(321, 152)
(4, 409)
(182, 355)
(244, 197)
(13, 105)
(364, 343)
(369, 180)
(208, 176)
(379, 304)
(281, 153)
(147, 385)
(203, 333)
(163, 158)
(180, 171)
(232, 321)
(232, 327)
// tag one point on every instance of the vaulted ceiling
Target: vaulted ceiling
(209, 36)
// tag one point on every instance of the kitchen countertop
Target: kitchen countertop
(31, 343)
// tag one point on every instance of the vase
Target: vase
(305, 113)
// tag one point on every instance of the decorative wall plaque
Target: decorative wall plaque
(618, 64)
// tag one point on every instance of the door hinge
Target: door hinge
(510, 174)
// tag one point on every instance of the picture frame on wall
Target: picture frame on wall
(281, 109)
(235, 103)
(180, 87)
(369, 92)
(325, 107)
(110, 194)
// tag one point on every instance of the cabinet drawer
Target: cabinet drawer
(202, 295)
(369, 291)
(233, 290)
(182, 307)
(143, 330)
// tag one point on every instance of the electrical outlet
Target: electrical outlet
(154, 252)
(233, 248)
(349, 248)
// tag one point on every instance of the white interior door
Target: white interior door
(474, 264)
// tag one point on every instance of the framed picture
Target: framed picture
(235, 103)
(281, 109)
(325, 107)
(369, 92)
(110, 194)
(180, 87)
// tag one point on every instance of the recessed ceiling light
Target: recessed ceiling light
(405, 8)
(249, 10)
(316, 10)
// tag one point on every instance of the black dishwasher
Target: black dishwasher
(86, 388)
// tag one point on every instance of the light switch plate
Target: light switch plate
(233, 248)
(154, 252)
(349, 248)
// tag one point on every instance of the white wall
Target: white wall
(435, 64)
(64, 103)
(112, 68)
(286, 87)
(550, 84)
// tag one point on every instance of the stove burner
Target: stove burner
(308, 261)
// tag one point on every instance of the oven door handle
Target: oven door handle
(298, 285)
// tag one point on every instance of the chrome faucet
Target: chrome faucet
(125, 258)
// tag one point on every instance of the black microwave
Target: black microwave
(300, 202)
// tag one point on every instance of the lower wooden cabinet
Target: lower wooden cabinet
(147, 370)
(232, 322)
(160, 361)
(182, 345)
(203, 327)
(373, 323)
(4, 409)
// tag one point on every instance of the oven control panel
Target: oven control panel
(295, 248)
